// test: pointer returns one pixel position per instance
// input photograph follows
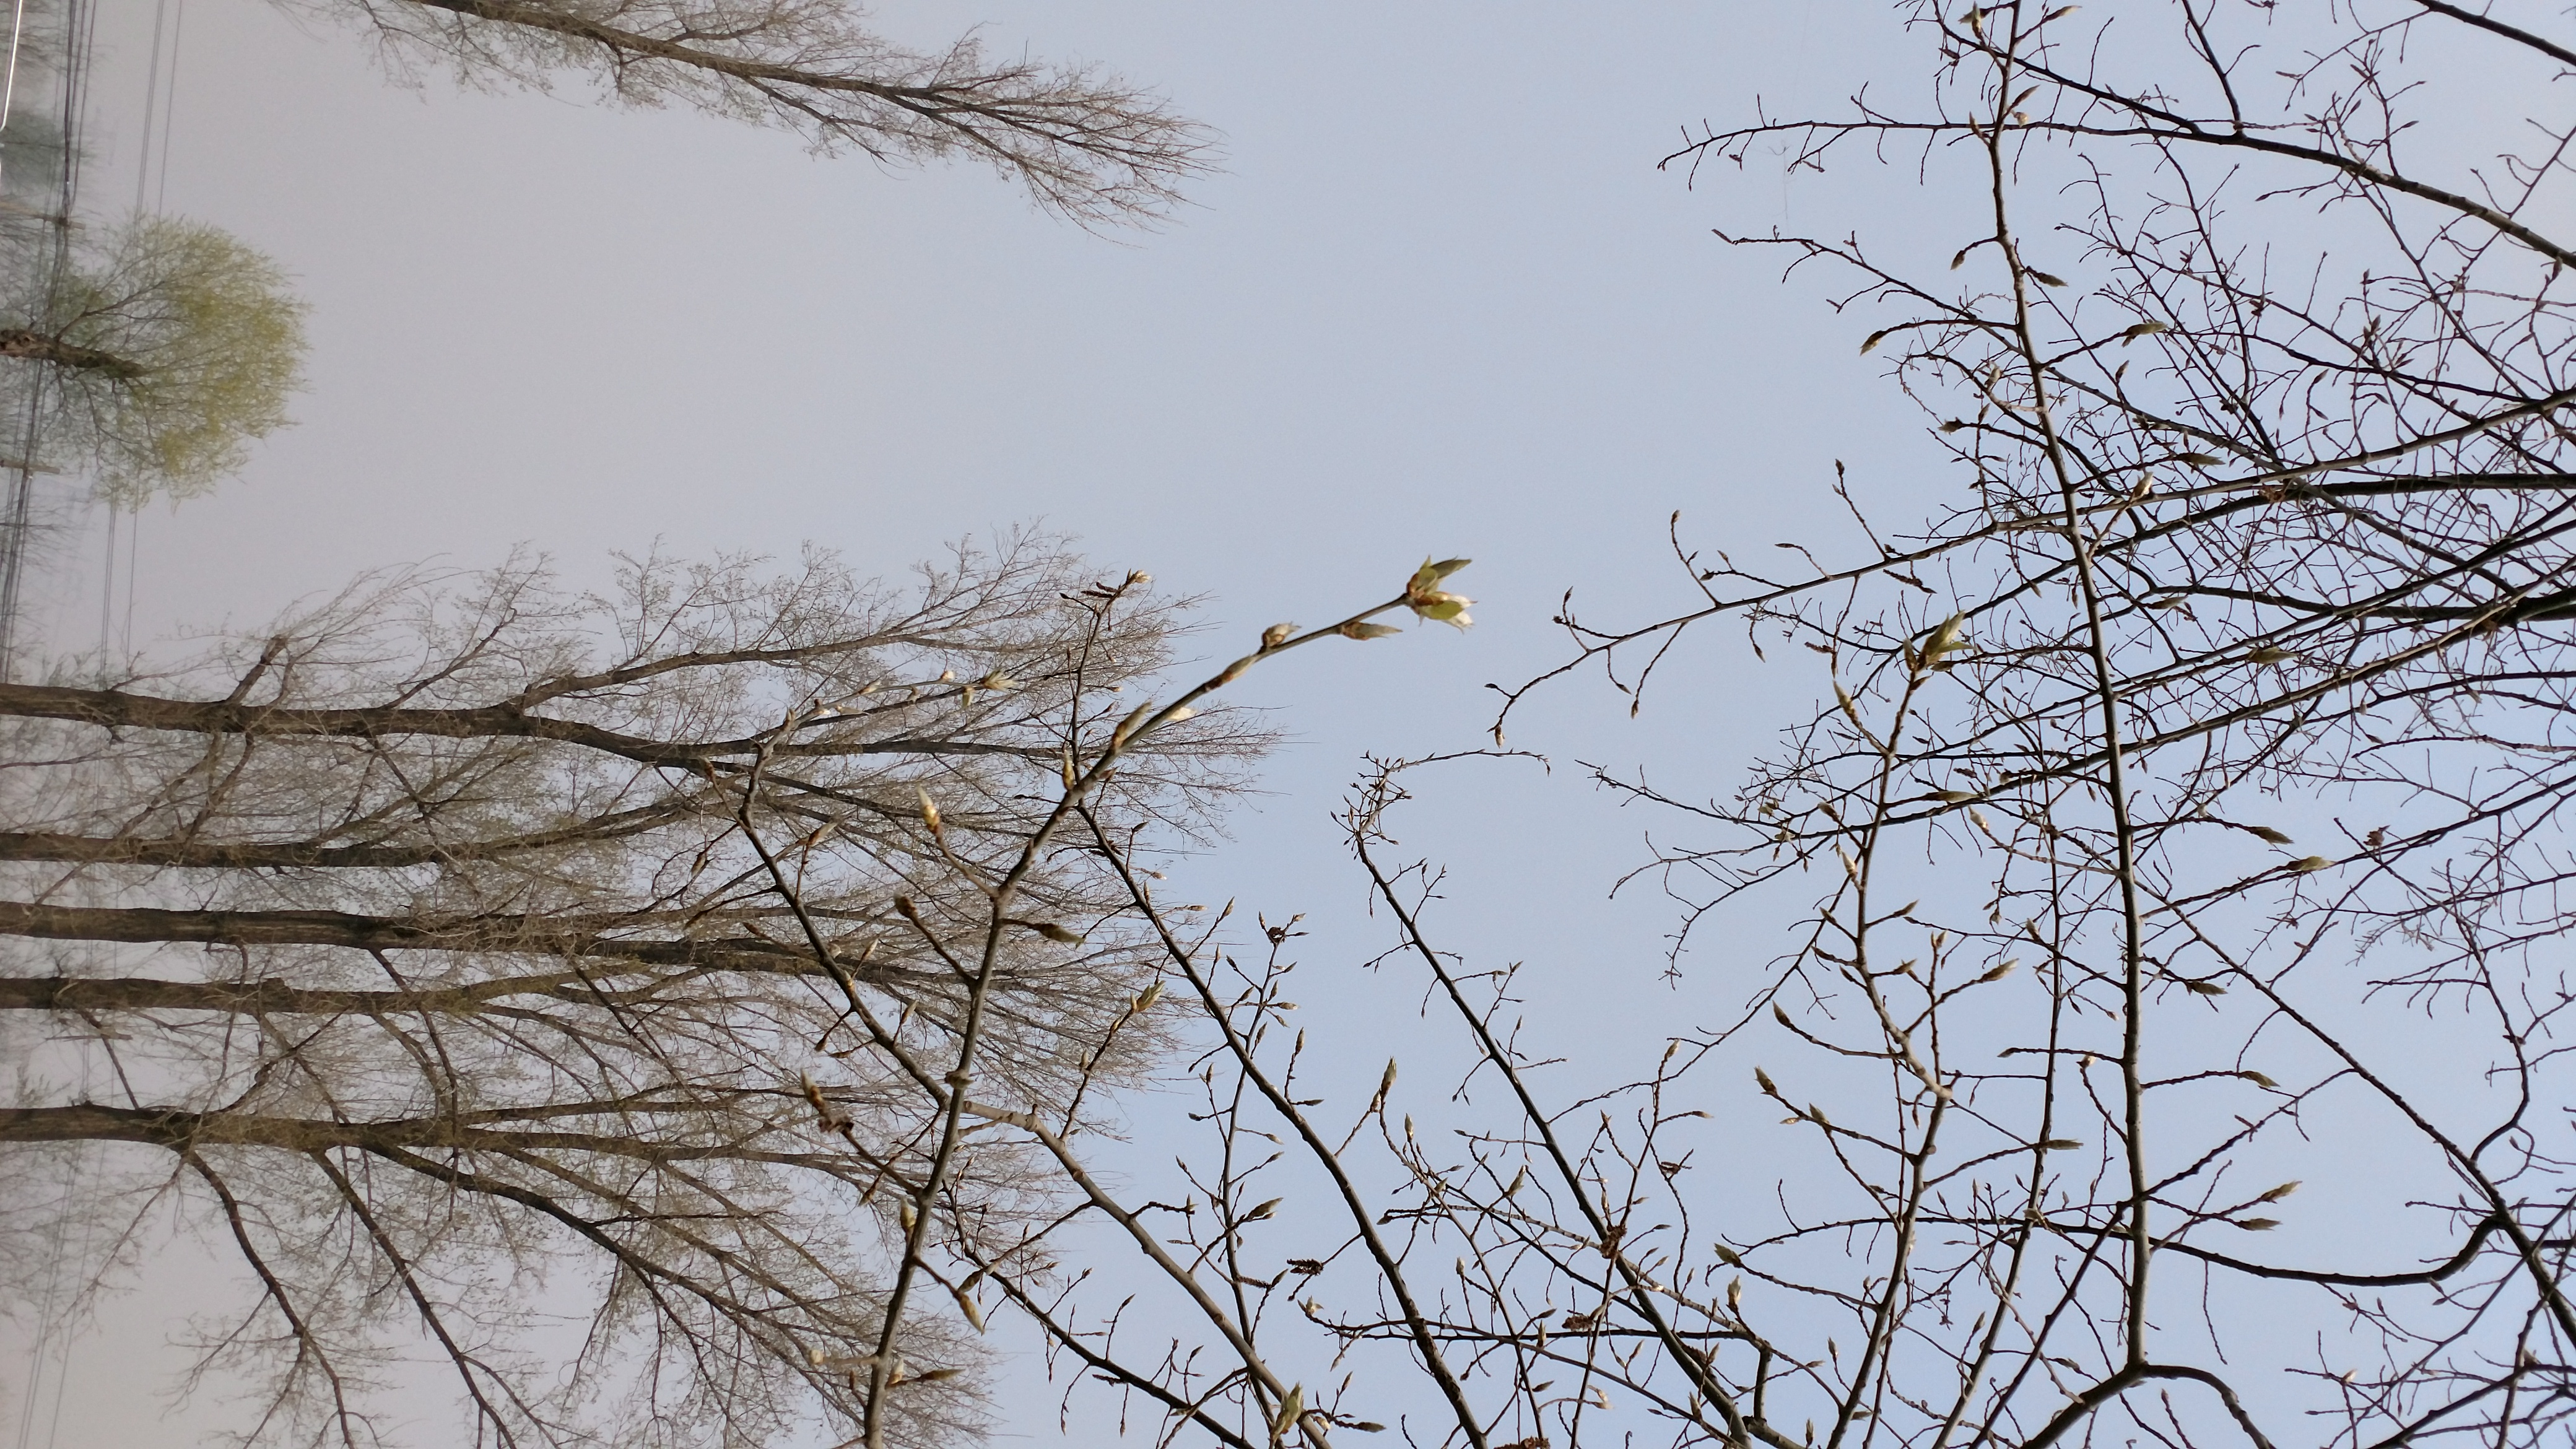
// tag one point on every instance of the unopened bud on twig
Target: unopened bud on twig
(1127, 726)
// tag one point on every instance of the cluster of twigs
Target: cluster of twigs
(453, 938)
(2186, 807)
(1086, 145)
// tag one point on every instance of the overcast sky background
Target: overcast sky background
(1440, 301)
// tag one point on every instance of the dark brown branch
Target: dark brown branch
(47, 348)
(116, 709)
(507, 934)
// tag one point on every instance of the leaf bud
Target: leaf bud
(1127, 726)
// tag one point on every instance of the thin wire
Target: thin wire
(142, 183)
(151, 100)
(9, 87)
(133, 537)
(167, 94)
(89, 1243)
(45, 1314)
(79, 41)
(169, 104)
(107, 588)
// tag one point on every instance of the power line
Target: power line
(169, 104)
(80, 22)
(151, 100)
(80, 38)
(152, 108)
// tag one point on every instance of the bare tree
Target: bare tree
(1085, 144)
(2182, 820)
(452, 953)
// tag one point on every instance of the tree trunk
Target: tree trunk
(44, 347)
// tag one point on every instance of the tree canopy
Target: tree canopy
(461, 933)
(157, 354)
(1083, 143)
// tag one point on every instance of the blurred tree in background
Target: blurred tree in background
(1084, 144)
(161, 350)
